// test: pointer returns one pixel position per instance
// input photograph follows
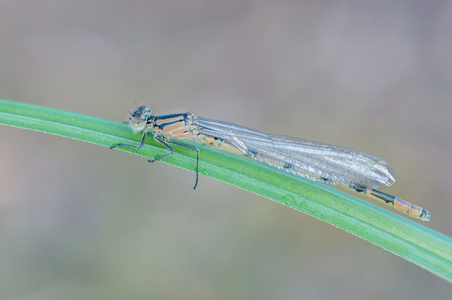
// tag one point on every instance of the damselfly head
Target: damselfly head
(142, 112)
(138, 119)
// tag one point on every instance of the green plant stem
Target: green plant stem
(412, 241)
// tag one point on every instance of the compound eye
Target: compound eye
(137, 124)
(143, 112)
(145, 109)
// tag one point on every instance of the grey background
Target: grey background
(78, 221)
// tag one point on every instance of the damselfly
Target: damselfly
(334, 165)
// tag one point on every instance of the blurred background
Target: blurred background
(78, 221)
